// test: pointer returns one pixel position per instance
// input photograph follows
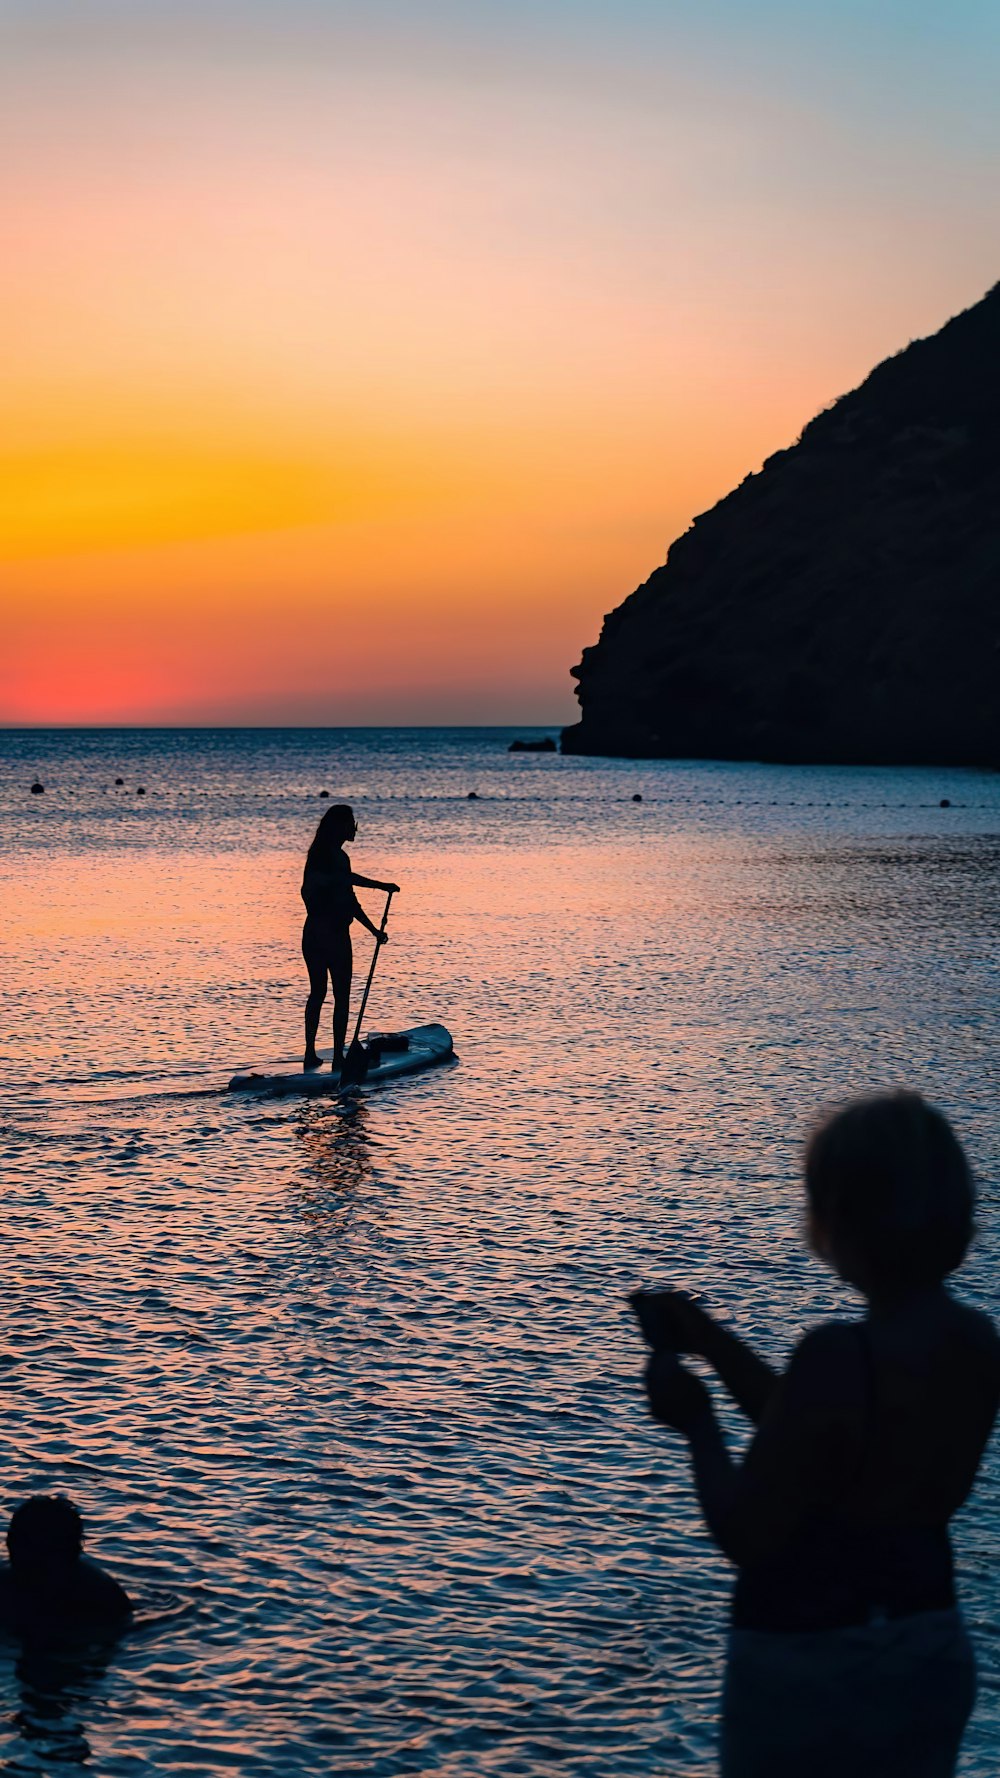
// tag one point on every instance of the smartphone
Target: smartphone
(654, 1321)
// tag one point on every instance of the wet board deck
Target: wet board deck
(427, 1046)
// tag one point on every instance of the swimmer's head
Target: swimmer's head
(45, 1535)
(890, 1193)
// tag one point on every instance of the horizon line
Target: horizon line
(34, 728)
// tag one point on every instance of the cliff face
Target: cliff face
(841, 605)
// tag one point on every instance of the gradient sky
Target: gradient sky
(358, 358)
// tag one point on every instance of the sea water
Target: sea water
(348, 1392)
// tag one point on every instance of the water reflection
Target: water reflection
(55, 1687)
(364, 1364)
(336, 1143)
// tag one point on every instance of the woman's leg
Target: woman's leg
(341, 964)
(316, 963)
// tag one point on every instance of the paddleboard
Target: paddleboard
(392, 1058)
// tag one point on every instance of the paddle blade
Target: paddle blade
(355, 1066)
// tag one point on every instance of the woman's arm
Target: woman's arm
(716, 1480)
(749, 1380)
(376, 931)
(373, 883)
(807, 1444)
(679, 1399)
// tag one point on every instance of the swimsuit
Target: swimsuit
(331, 905)
(848, 1657)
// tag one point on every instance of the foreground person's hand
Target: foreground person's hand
(690, 1325)
(676, 1397)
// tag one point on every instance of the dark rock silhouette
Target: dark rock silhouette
(38, 788)
(141, 791)
(545, 746)
(119, 780)
(839, 606)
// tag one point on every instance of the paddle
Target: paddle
(356, 1060)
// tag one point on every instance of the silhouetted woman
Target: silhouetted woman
(848, 1657)
(331, 905)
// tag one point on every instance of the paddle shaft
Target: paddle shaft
(378, 946)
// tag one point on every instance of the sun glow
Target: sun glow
(350, 382)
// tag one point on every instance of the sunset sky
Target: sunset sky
(359, 357)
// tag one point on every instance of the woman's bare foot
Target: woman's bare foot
(338, 1061)
(311, 1060)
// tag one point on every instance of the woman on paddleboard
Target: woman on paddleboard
(331, 905)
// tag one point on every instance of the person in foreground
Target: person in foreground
(331, 905)
(49, 1589)
(847, 1654)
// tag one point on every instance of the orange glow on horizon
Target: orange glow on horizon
(341, 389)
(156, 578)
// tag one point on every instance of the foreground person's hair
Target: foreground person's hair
(889, 1184)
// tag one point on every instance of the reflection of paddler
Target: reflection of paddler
(337, 1155)
(331, 905)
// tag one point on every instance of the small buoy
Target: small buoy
(636, 797)
(945, 803)
(37, 788)
(141, 790)
(119, 780)
(324, 793)
(473, 796)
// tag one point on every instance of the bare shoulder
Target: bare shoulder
(828, 1339)
(826, 1366)
(98, 1593)
(976, 1332)
(828, 1343)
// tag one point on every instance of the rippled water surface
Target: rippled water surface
(346, 1390)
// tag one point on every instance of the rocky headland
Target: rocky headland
(843, 605)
